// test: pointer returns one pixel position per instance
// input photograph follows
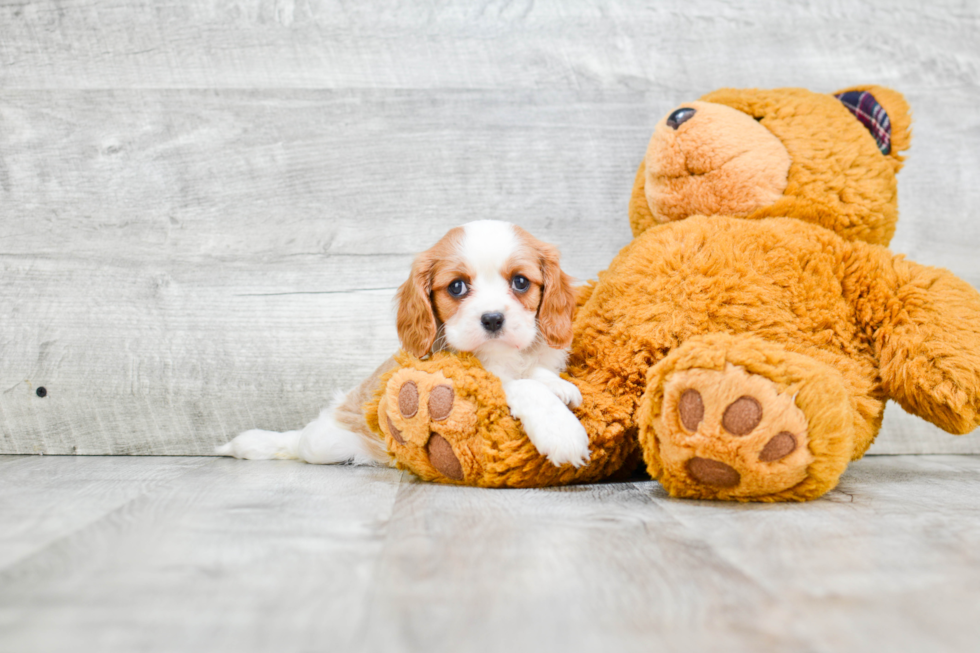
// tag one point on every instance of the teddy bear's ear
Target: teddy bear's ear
(884, 113)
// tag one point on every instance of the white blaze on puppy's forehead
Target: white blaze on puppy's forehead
(487, 244)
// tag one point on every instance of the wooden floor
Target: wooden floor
(204, 554)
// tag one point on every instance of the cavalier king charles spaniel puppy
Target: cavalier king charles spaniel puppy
(489, 288)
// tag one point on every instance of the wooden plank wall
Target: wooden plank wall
(205, 207)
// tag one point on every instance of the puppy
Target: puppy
(489, 288)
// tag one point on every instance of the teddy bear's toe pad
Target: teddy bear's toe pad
(426, 425)
(443, 458)
(733, 432)
(713, 472)
(408, 399)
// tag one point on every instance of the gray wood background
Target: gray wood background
(205, 207)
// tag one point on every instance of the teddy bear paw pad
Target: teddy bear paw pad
(733, 433)
(426, 424)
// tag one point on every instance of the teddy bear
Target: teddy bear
(744, 344)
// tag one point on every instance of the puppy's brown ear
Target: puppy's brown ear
(557, 301)
(416, 318)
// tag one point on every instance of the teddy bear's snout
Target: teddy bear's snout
(711, 159)
(679, 117)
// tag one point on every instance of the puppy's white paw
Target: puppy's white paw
(567, 392)
(561, 438)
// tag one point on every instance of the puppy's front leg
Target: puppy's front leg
(552, 428)
(567, 392)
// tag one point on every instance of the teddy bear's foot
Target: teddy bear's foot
(714, 416)
(426, 422)
(740, 418)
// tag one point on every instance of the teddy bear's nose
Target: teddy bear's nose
(680, 116)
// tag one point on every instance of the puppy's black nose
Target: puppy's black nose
(680, 116)
(492, 322)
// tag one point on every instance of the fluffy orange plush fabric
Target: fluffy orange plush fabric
(745, 343)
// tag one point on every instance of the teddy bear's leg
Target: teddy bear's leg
(740, 418)
(446, 419)
(925, 325)
(427, 426)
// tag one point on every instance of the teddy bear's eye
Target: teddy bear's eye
(679, 117)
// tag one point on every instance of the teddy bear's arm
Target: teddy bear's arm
(924, 324)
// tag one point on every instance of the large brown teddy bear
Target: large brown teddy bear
(745, 343)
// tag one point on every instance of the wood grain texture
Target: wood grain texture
(205, 207)
(44, 500)
(222, 557)
(437, 44)
(164, 554)
(165, 320)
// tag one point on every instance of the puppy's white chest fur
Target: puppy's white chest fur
(508, 364)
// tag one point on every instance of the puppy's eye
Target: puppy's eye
(457, 288)
(520, 283)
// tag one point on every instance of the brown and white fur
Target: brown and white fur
(489, 288)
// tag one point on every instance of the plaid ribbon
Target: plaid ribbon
(872, 115)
